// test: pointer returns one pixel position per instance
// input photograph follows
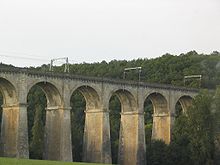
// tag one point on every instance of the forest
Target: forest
(195, 136)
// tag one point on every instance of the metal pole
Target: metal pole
(139, 75)
(67, 63)
(51, 65)
(124, 75)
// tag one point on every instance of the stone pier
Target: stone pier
(58, 144)
(132, 139)
(14, 132)
(96, 143)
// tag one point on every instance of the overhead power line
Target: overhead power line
(23, 57)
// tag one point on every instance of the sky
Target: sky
(32, 32)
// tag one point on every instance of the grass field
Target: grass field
(10, 161)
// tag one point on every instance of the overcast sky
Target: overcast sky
(96, 30)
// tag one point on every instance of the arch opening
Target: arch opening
(91, 97)
(52, 94)
(8, 97)
(78, 104)
(121, 101)
(37, 103)
(8, 92)
(83, 99)
(126, 99)
(148, 120)
(9, 118)
(182, 105)
(114, 117)
(159, 103)
(41, 96)
(156, 118)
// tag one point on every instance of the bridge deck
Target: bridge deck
(95, 79)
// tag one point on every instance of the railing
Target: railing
(94, 79)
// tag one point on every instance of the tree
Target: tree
(78, 105)
(194, 132)
(36, 146)
(216, 111)
(201, 129)
(114, 117)
(156, 153)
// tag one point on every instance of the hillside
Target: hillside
(167, 69)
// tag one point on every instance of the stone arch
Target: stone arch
(127, 100)
(129, 127)
(91, 96)
(57, 124)
(95, 136)
(185, 102)
(159, 102)
(13, 139)
(51, 92)
(8, 92)
(161, 117)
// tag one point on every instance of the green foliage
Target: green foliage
(216, 111)
(156, 153)
(193, 133)
(78, 105)
(178, 109)
(179, 149)
(37, 142)
(114, 117)
(201, 129)
(36, 121)
(148, 120)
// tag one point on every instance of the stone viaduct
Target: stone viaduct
(58, 88)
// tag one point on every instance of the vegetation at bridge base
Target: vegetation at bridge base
(194, 134)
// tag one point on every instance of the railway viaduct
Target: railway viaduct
(58, 88)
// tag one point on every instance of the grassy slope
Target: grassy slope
(9, 161)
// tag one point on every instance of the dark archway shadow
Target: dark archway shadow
(178, 110)
(114, 117)
(148, 120)
(36, 112)
(160, 125)
(41, 96)
(78, 104)
(182, 105)
(121, 102)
